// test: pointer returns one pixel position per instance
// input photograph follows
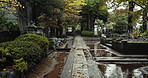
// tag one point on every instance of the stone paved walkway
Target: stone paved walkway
(77, 65)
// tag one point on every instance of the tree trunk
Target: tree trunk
(29, 14)
(88, 22)
(130, 16)
(34, 15)
(92, 23)
(144, 26)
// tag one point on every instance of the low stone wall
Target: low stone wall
(138, 48)
(127, 48)
(117, 45)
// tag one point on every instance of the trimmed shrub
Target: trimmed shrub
(28, 51)
(4, 54)
(24, 52)
(36, 39)
(87, 33)
(20, 65)
(4, 45)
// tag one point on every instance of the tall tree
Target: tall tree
(92, 10)
(133, 15)
(120, 20)
(50, 15)
(130, 16)
(72, 9)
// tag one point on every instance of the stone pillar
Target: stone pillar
(95, 30)
(64, 32)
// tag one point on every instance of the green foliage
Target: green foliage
(3, 54)
(137, 41)
(4, 45)
(20, 65)
(48, 7)
(144, 34)
(30, 52)
(87, 33)
(36, 39)
(99, 33)
(30, 47)
(95, 9)
(120, 20)
(25, 50)
(5, 23)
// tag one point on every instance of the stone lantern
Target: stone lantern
(95, 28)
(31, 29)
(39, 30)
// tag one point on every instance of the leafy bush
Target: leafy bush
(24, 52)
(5, 44)
(5, 23)
(36, 39)
(20, 65)
(30, 52)
(4, 54)
(99, 33)
(87, 33)
(145, 34)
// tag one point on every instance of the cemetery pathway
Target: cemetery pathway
(78, 65)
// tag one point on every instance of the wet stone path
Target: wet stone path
(77, 64)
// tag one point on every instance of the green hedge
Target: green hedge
(36, 39)
(87, 33)
(4, 55)
(30, 52)
(24, 52)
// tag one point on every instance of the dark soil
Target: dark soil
(39, 69)
(42, 68)
(58, 68)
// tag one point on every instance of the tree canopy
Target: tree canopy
(120, 20)
(92, 10)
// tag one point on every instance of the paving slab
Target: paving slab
(77, 65)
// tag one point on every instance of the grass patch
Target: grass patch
(137, 41)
